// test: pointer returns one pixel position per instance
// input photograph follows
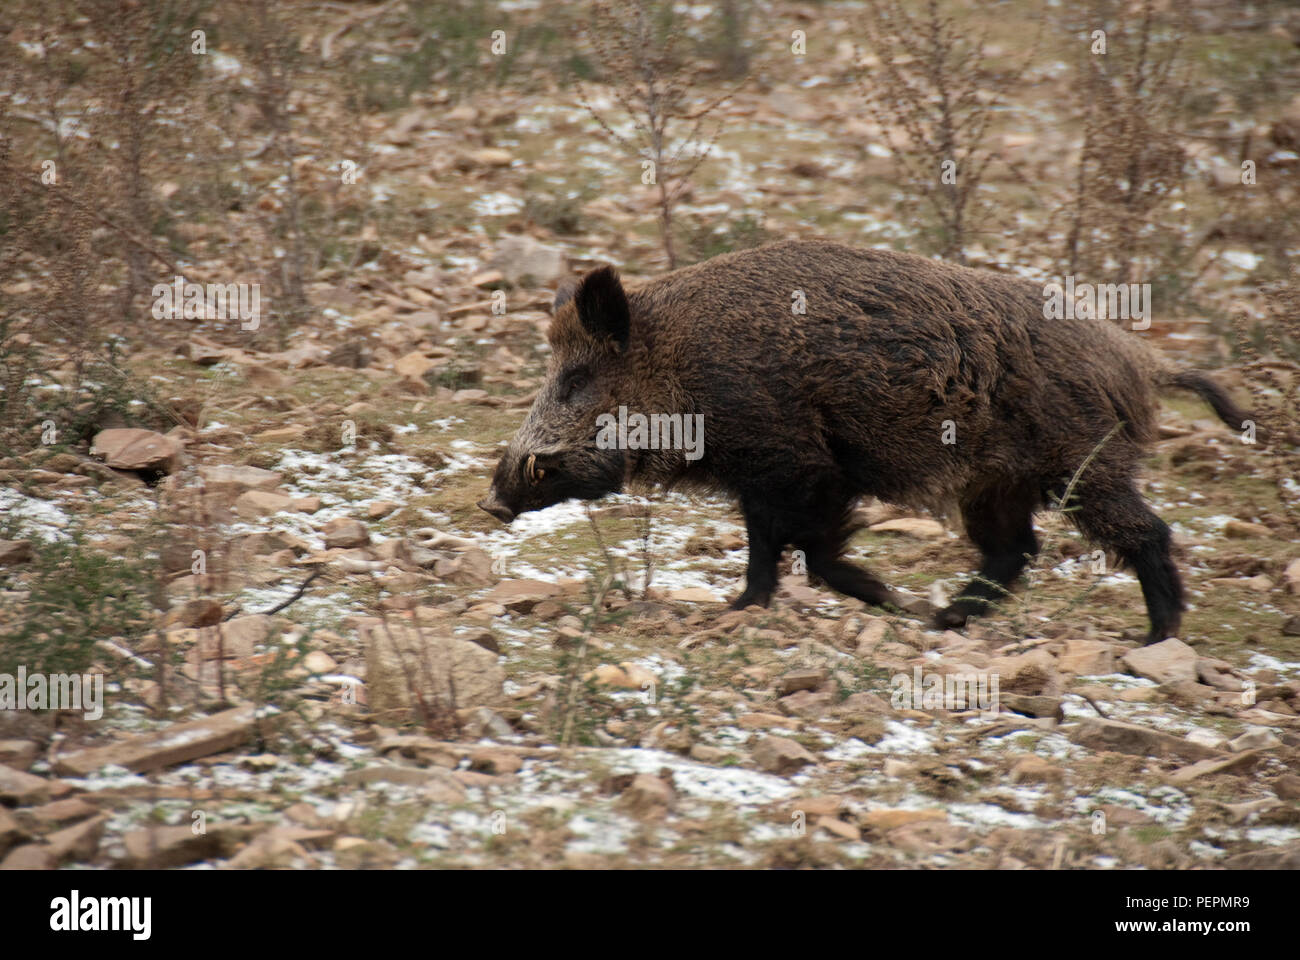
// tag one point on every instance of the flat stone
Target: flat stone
(839, 828)
(520, 596)
(1291, 577)
(1272, 858)
(1207, 738)
(862, 702)
(693, 595)
(805, 703)
(1205, 768)
(11, 832)
(1183, 693)
(828, 806)
(628, 675)
(234, 639)
(22, 788)
(1287, 786)
(196, 612)
(1040, 706)
(291, 432)
(1034, 769)
(14, 552)
(414, 365)
(175, 744)
(799, 680)
(396, 774)
(254, 504)
(705, 753)
(62, 812)
(1087, 658)
(473, 568)
(449, 673)
(1031, 673)
(1256, 738)
(18, 754)
(492, 157)
(889, 819)
(898, 768)
(780, 755)
(239, 478)
(520, 258)
(345, 533)
(762, 721)
(1120, 737)
(160, 848)
(1259, 583)
(495, 762)
(1165, 662)
(130, 448)
(79, 842)
(648, 796)
(318, 661)
(915, 527)
(30, 856)
(1236, 529)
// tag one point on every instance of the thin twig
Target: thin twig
(302, 588)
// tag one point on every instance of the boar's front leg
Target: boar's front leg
(821, 533)
(768, 536)
(823, 548)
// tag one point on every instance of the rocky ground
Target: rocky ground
(344, 663)
(326, 736)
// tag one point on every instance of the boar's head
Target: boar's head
(554, 457)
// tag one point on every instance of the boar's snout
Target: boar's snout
(535, 481)
(494, 506)
(508, 495)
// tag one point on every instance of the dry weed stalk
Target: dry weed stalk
(936, 96)
(653, 86)
(1272, 374)
(573, 676)
(274, 50)
(1123, 221)
(437, 711)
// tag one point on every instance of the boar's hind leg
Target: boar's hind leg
(1116, 517)
(1000, 523)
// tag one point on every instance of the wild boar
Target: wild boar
(825, 374)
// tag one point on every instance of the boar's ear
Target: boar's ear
(564, 293)
(602, 306)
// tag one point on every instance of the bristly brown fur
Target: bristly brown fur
(804, 413)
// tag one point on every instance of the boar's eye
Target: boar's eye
(573, 382)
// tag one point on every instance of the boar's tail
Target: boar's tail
(1210, 392)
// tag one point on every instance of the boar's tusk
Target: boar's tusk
(530, 468)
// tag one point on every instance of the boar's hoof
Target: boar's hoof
(952, 617)
(756, 598)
